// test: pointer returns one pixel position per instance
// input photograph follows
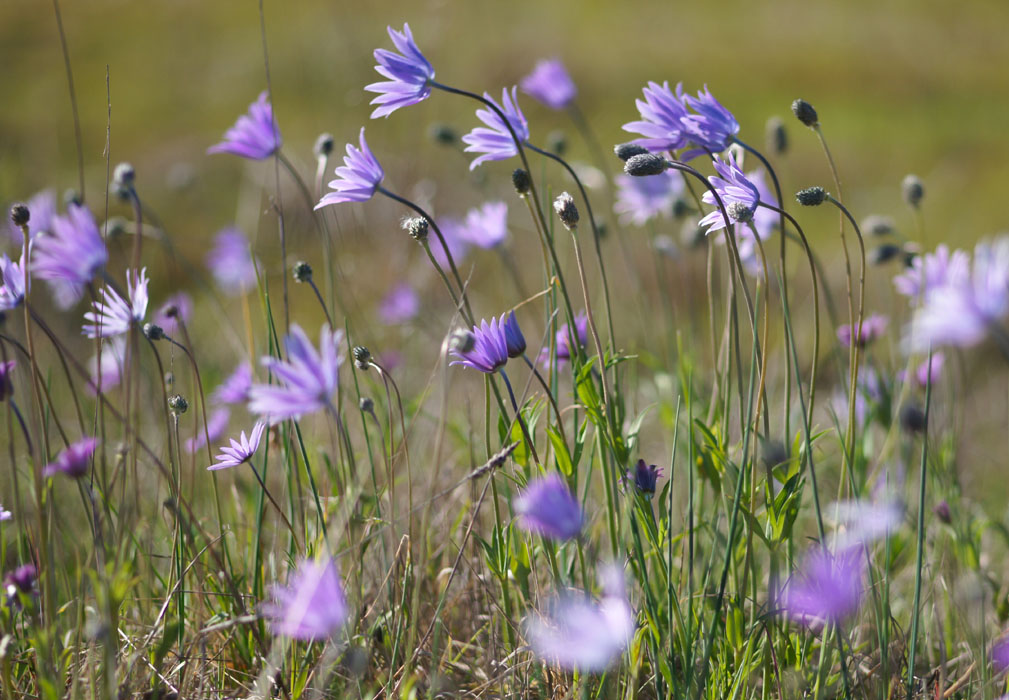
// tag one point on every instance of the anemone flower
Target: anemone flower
(550, 83)
(489, 351)
(107, 371)
(409, 74)
(661, 124)
(114, 315)
(872, 328)
(235, 389)
(241, 450)
(547, 507)
(562, 342)
(738, 194)
(494, 140)
(255, 135)
(400, 305)
(312, 606)
(645, 477)
(712, 127)
(358, 178)
(70, 256)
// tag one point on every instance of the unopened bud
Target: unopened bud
(912, 418)
(124, 176)
(462, 341)
(805, 113)
(942, 512)
(880, 255)
(302, 271)
(645, 164)
(362, 357)
(557, 141)
(153, 331)
(777, 136)
(20, 214)
(417, 227)
(811, 196)
(876, 225)
(913, 190)
(443, 134)
(178, 404)
(566, 210)
(626, 151)
(366, 405)
(523, 183)
(323, 146)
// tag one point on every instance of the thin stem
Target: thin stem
(521, 421)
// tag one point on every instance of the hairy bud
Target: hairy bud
(811, 196)
(805, 113)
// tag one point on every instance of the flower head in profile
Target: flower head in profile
(12, 274)
(550, 83)
(738, 194)
(306, 380)
(494, 140)
(71, 255)
(487, 226)
(872, 328)
(645, 477)
(74, 461)
(114, 315)
(241, 450)
(42, 206)
(661, 124)
(107, 371)
(174, 313)
(231, 263)
(217, 423)
(312, 606)
(547, 507)
(235, 389)
(255, 135)
(400, 305)
(489, 350)
(640, 199)
(358, 178)
(514, 340)
(711, 126)
(829, 588)
(932, 271)
(409, 74)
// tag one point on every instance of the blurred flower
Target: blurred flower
(217, 423)
(20, 581)
(645, 477)
(400, 305)
(563, 347)
(868, 393)
(231, 263)
(358, 178)
(312, 606)
(71, 255)
(487, 226)
(74, 461)
(307, 380)
(713, 126)
(12, 292)
(547, 507)
(234, 389)
(925, 371)
(42, 207)
(6, 385)
(829, 589)
(109, 368)
(409, 74)
(489, 352)
(453, 231)
(114, 315)
(178, 307)
(5, 514)
(872, 328)
(738, 194)
(866, 521)
(931, 271)
(1000, 654)
(494, 140)
(662, 115)
(765, 220)
(241, 450)
(942, 512)
(640, 199)
(514, 339)
(550, 83)
(255, 135)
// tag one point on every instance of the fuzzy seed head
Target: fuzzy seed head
(178, 404)
(462, 341)
(153, 331)
(739, 212)
(417, 227)
(20, 214)
(566, 210)
(913, 189)
(366, 405)
(124, 176)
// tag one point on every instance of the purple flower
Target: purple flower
(514, 340)
(495, 140)
(739, 195)
(866, 521)
(231, 263)
(71, 255)
(926, 371)
(873, 327)
(73, 461)
(713, 127)
(661, 122)
(487, 226)
(22, 580)
(6, 385)
(12, 292)
(547, 507)
(110, 365)
(640, 199)
(409, 74)
(235, 389)
(400, 305)
(764, 220)
(42, 207)
(563, 345)
(454, 232)
(357, 180)
(307, 380)
(5, 514)
(489, 352)
(584, 635)
(241, 450)
(645, 477)
(550, 84)
(1000, 654)
(829, 589)
(312, 606)
(216, 425)
(932, 271)
(114, 315)
(254, 136)
(178, 307)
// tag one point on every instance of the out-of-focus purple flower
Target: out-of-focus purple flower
(487, 226)
(400, 305)
(943, 512)
(255, 135)
(241, 450)
(766, 221)
(550, 83)
(307, 380)
(739, 195)
(5, 514)
(1000, 654)
(563, 345)
(12, 291)
(74, 461)
(927, 371)
(235, 389)
(391, 359)
(6, 384)
(584, 635)
(872, 328)
(490, 347)
(829, 589)
(71, 255)
(868, 393)
(42, 207)
(312, 606)
(358, 178)
(514, 339)
(109, 368)
(231, 263)
(22, 579)
(178, 307)
(114, 315)
(713, 126)
(547, 507)
(217, 423)
(409, 74)
(932, 271)
(454, 232)
(645, 477)
(662, 115)
(640, 199)
(865, 521)
(494, 140)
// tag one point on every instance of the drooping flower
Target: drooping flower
(114, 315)
(400, 305)
(312, 606)
(645, 477)
(71, 255)
(74, 461)
(358, 178)
(487, 226)
(235, 389)
(738, 194)
(550, 83)
(662, 113)
(494, 140)
(12, 291)
(640, 199)
(829, 589)
(409, 74)
(872, 328)
(42, 207)
(712, 126)
(177, 308)
(489, 351)
(255, 135)
(217, 423)
(547, 507)
(862, 522)
(106, 372)
(307, 380)
(231, 263)
(241, 450)
(514, 340)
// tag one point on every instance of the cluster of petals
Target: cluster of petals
(70, 255)
(641, 199)
(240, 450)
(494, 140)
(12, 289)
(255, 135)
(357, 179)
(493, 344)
(828, 589)
(312, 606)
(550, 83)
(547, 507)
(739, 196)
(114, 315)
(409, 74)
(667, 122)
(871, 328)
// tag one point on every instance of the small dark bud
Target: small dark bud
(72, 196)
(680, 208)
(880, 255)
(876, 225)
(362, 357)
(124, 176)
(811, 196)
(645, 164)
(626, 151)
(913, 190)
(566, 210)
(178, 404)
(171, 311)
(20, 214)
(443, 134)
(462, 341)
(323, 146)
(777, 137)
(302, 271)
(366, 405)
(739, 212)
(523, 183)
(153, 331)
(602, 229)
(942, 512)
(805, 113)
(557, 141)
(912, 418)
(417, 227)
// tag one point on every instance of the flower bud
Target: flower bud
(417, 227)
(878, 225)
(522, 182)
(912, 418)
(72, 196)
(557, 142)
(566, 210)
(323, 146)
(805, 113)
(124, 176)
(626, 151)
(645, 164)
(178, 404)
(366, 405)
(20, 214)
(302, 271)
(443, 134)
(880, 255)
(942, 512)
(462, 341)
(153, 331)
(362, 357)
(913, 190)
(811, 196)
(777, 137)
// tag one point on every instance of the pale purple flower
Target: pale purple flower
(926, 371)
(74, 461)
(868, 393)
(358, 178)
(494, 140)
(1000, 654)
(111, 364)
(5, 514)
(400, 305)
(409, 74)
(217, 423)
(662, 114)
(114, 315)
(829, 588)
(490, 347)
(453, 231)
(550, 83)
(547, 507)
(306, 381)
(562, 342)
(312, 606)
(640, 199)
(70, 256)
(241, 450)
(12, 291)
(255, 135)
(712, 127)
(178, 307)
(738, 194)
(487, 226)
(872, 328)
(235, 389)
(42, 207)
(932, 271)
(862, 522)
(231, 263)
